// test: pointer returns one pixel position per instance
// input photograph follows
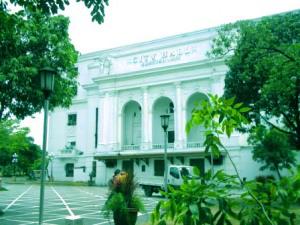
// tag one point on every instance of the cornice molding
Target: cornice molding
(161, 70)
(79, 101)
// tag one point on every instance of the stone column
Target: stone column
(106, 120)
(180, 126)
(114, 119)
(91, 121)
(184, 136)
(150, 123)
(145, 122)
(119, 129)
(111, 101)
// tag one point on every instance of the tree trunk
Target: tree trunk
(278, 172)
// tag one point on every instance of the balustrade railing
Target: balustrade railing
(130, 147)
(71, 151)
(194, 145)
(162, 146)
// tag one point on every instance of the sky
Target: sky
(132, 21)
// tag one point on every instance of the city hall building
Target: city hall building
(114, 121)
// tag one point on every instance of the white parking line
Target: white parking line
(109, 221)
(92, 194)
(14, 201)
(64, 202)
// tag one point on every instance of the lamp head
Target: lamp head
(165, 121)
(47, 75)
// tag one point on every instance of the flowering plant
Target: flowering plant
(122, 199)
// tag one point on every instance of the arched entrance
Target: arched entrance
(195, 138)
(162, 106)
(132, 126)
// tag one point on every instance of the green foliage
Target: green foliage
(272, 148)
(195, 202)
(14, 139)
(122, 195)
(29, 42)
(277, 197)
(49, 7)
(221, 199)
(263, 57)
(218, 116)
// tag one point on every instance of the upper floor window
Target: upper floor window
(72, 119)
(171, 136)
(171, 107)
(72, 144)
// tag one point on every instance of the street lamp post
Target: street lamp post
(47, 86)
(14, 162)
(164, 125)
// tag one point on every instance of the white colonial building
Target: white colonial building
(114, 121)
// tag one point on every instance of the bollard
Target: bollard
(73, 220)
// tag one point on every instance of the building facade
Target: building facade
(114, 121)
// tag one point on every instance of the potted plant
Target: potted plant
(122, 201)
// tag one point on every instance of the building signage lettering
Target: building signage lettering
(164, 56)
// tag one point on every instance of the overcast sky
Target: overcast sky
(132, 21)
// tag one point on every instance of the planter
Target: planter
(125, 217)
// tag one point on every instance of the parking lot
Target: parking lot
(21, 205)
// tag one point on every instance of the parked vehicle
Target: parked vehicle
(175, 177)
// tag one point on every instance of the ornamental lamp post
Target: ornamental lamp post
(164, 125)
(47, 86)
(14, 162)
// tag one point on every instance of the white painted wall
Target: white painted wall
(151, 74)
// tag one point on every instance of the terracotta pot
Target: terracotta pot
(125, 217)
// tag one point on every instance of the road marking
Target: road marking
(14, 201)
(92, 194)
(107, 222)
(64, 202)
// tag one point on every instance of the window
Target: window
(174, 172)
(72, 119)
(143, 168)
(171, 107)
(110, 163)
(159, 167)
(69, 169)
(171, 136)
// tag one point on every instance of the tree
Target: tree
(263, 57)
(29, 42)
(14, 139)
(48, 7)
(29, 157)
(272, 148)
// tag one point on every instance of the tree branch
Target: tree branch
(281, 52)
(274, 126)
(289, 120)
(247, 189)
